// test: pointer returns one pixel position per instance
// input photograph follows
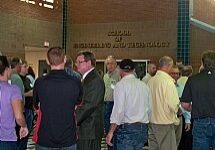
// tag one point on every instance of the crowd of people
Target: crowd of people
(170, 108)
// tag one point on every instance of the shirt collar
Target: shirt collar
(165, 75)
(128, 76)
(86, 73)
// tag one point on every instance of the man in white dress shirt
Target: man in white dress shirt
(131, 109)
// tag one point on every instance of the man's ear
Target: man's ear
(47, 61)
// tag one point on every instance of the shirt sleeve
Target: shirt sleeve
(118, 108)
(187, 93)
(186, 114)
(16, 93)
(18, 82)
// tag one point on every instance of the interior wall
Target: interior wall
(204, 10)
(97, 25)
(33, 55)
(201, 40)
(23, 24)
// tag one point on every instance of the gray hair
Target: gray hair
(165, 61)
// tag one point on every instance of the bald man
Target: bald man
(110, 78)
(151, 71)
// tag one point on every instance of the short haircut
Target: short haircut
(208, 59)
(88, 55)
(150, 65)
(175, 67)
(56, 56)
(187, 70)
(15, 61)
(165, 61)
(24, 62)
(3, 64)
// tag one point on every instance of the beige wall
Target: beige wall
(33, 55)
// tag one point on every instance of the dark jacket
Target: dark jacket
(90, 113)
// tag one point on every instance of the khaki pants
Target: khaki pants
(178, 131)
(162, 137)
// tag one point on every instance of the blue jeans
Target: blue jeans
(131, 136)
(204, 133)
(73, 147)
(29, 118)
(108, 106)
(8, 145)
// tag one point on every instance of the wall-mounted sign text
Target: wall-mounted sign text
(118, 42)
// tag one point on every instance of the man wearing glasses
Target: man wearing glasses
(90, 112)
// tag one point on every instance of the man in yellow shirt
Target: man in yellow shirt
(165, 105)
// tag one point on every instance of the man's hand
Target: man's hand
(110, 134)
(187, 127)
(109, 138)
(23, 132)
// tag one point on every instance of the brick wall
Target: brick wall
(201, 40)
(108, 11)
(24, 24)
(34, 11)
(91, 20)
(204, 10)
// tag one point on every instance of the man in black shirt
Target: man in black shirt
(57, 93)
(28, 93)
(199, 95)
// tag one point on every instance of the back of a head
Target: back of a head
(127, 65)
(3, 64)
(56, 56)
(187, 70)
(165, 61)
(88, 56)
(15, 61)
(208, 59)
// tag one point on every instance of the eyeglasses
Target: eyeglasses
(79, 62)
(174, 73)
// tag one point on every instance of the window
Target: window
(29, 1)
(43, 3)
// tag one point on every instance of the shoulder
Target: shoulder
(94, 77)
(39, 80)
(15, 77)
(14, 89)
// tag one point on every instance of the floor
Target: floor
(31, 145)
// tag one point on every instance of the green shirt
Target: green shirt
(16, 80)
(110, 80)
